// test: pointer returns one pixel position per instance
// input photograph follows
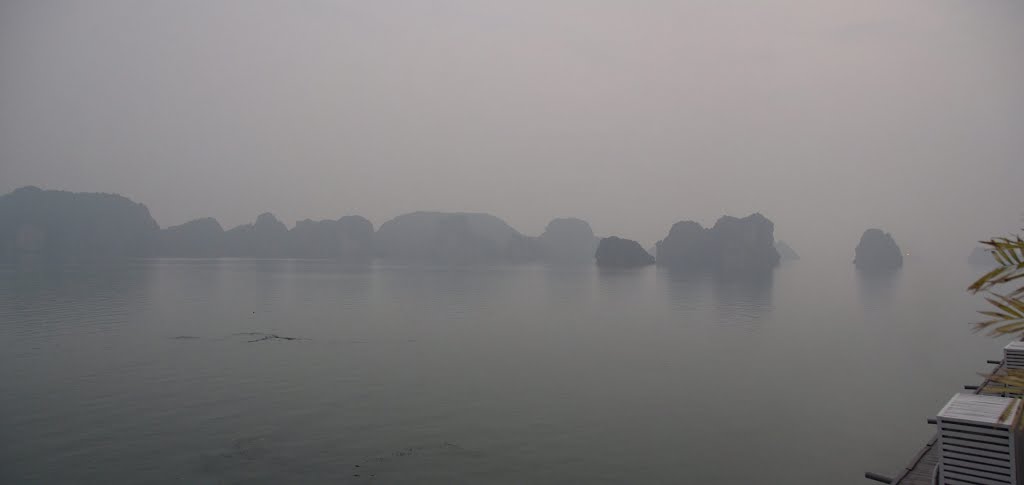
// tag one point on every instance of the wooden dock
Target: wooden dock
(921, 468)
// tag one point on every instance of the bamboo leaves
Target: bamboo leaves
(1009, 319)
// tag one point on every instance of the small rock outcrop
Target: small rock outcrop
(877, 250)
(786, 253)
(82, 227)
(732, 245)
(981, 257)
(623, 253)
(567, 241)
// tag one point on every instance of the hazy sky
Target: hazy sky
(827, 116)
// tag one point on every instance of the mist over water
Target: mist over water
(154, 372)
(474, 176)
(827, 117)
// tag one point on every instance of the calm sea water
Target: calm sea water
(155, 372)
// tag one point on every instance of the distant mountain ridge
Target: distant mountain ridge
(68, 226)
(74, 227)
(198, 238)
(452, 238)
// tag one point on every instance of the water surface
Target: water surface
(168, 371)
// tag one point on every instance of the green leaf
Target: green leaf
(1009, 310)
(977, 285)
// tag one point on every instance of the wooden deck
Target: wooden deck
(921, 468)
